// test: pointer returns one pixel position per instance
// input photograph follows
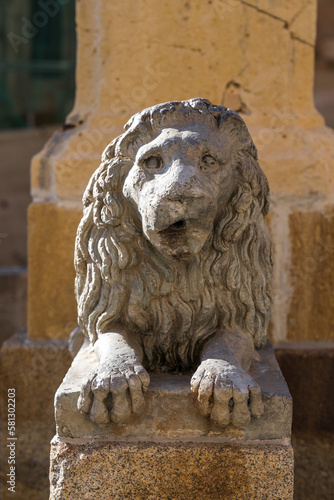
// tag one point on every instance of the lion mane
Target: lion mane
(173, 306)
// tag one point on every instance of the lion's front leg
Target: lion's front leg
(225, 391)
(114, 389)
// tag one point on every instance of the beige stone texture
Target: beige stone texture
(312, 275)
(52, 306)
(34, 370)
(147, 471)
(255, 56)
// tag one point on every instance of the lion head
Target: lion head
(173, 244)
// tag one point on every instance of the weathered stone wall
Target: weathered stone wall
(256, 57)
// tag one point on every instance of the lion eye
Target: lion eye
(209, 164)
(152, 163)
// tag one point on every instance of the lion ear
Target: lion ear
(249, 170)
(233, 125)
(109, 151)
(253, 181)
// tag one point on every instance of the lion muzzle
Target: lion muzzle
(180, 229)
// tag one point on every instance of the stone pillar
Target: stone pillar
(257, 58)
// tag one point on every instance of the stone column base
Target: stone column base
(184, 470)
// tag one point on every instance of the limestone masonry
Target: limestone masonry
(263, 68)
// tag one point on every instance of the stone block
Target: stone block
(73, 150)
(310, 316)
(34, 370)
(51, 301)
(167, 44)
(186, 470)
(171, 407)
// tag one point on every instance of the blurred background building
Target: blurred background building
(37, 55)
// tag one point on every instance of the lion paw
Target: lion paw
(113, 391)
(226, 393)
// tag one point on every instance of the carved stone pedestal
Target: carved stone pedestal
(184, 470)
(171, 451)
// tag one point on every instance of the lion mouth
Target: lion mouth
(174, 238)
(182, 239)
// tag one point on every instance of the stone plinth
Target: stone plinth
(183, 470)
(171, 408)
(171, 451)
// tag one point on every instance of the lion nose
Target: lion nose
(183, 184)
(177, 199)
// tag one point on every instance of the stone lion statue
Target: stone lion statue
(173, 263)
